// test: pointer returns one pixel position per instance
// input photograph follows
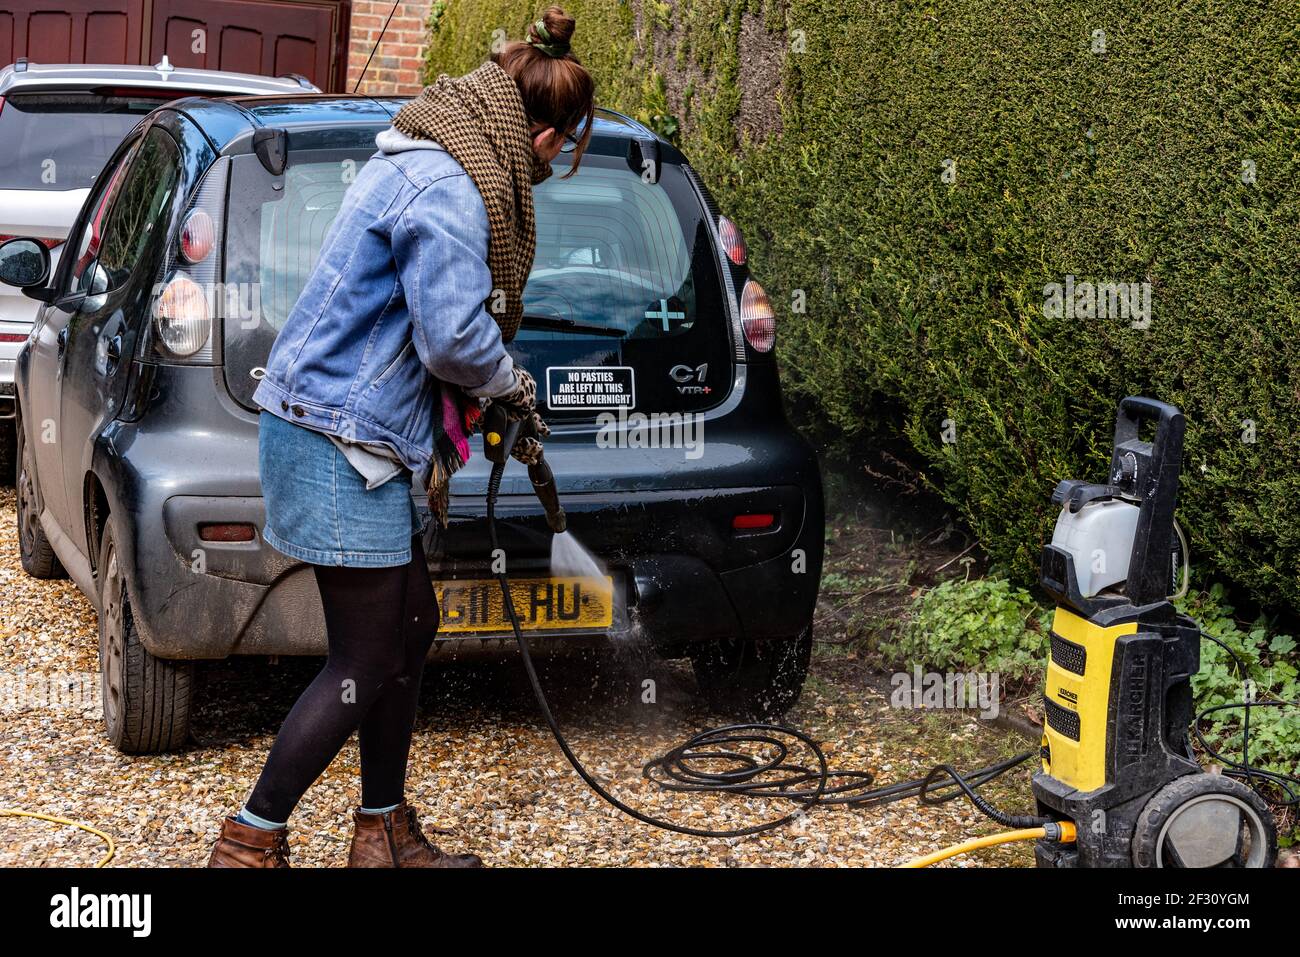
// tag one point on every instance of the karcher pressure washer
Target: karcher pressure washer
(1116, 757)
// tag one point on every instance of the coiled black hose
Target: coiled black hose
(807, 787)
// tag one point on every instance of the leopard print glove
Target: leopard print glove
(521, 402)
(528, 449)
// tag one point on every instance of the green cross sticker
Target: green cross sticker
(664, 314)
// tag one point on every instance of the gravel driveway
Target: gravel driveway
(482, 765)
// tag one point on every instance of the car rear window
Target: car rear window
(623, 307)
(62, 140)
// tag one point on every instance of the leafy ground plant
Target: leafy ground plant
(985, 624)
(1271, 665)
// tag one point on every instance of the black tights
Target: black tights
(380, 623)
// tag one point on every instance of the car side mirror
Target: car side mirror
(24, 263)
(96, 291)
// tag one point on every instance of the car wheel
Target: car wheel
(146, 699)
(753, 680)
(8, 451)
(34, 549)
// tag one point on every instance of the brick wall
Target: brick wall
(398, 65)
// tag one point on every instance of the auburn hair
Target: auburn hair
(556, 88)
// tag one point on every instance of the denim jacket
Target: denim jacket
(395, 304)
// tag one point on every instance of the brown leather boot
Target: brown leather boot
(242, 845)
(394, 839)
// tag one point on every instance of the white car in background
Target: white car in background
(59, 123)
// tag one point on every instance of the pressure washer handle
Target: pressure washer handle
(1169, 422)
(499, 433)
(1149, 472)
(499, 436)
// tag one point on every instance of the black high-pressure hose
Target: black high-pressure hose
(807, 787)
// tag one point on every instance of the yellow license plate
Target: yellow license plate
(542, 604)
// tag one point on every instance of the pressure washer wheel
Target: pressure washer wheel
(753, 680)
(1205, 820)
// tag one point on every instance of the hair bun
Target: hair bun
(552, 32)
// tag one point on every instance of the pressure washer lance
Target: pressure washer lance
(747, 776)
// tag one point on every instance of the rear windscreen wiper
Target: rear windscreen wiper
(552, 324)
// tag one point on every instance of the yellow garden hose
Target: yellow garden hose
(1062, 831)
(112, 847)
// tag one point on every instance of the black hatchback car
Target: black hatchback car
(651, 344)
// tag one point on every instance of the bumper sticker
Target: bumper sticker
(590, 387)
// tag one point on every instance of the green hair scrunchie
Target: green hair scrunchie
(550, 47)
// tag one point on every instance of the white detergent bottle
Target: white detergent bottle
(1099, 536)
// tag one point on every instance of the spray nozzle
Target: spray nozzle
(543, 480)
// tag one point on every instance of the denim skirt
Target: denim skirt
(318, 508)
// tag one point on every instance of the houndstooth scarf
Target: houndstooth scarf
(479, 119)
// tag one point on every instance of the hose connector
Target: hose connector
(1062, 832)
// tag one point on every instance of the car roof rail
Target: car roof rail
(301, 80)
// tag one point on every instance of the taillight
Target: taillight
(181, 317)
(732, 242)
(187, 292)
(198, 236)
(757, 318)
(753, 522)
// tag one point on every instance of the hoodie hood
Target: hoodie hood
(393, 140)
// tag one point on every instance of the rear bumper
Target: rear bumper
(686, 575)
(11, 325)
(8, 357)
(197, 599)
(8, 399)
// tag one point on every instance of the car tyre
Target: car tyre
(34, 549)
(146, 699)
(9, 451)
(753, 680)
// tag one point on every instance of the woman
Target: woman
(378, 376)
